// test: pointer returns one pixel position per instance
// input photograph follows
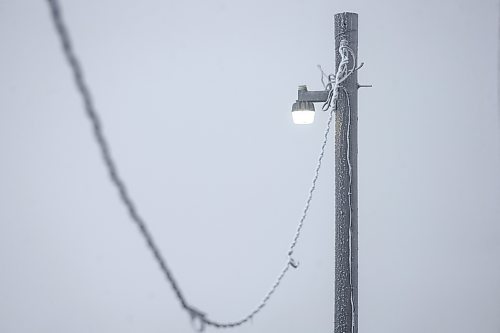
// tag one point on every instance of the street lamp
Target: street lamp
(303, 113)
(303, 109)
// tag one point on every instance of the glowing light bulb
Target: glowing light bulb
(303, 112)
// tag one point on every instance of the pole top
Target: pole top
(346, 13)
(345, 24)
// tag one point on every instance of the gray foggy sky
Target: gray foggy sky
(195, 98)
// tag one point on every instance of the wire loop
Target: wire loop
(343, 73)
(197, 316)
(293, 263)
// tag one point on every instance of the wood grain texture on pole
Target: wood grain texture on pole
(346, 184)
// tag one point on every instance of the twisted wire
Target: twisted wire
(313, 184)
(117, 181)
(342, 74)
(104, 146)
(348, 158)
(290, 262)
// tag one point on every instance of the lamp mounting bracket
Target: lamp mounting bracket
(312, 96)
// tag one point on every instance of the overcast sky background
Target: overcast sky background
(195, 98)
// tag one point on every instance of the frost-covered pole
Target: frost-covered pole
(346, 185)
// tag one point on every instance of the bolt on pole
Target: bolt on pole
(346, 184)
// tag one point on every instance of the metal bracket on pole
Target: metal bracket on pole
(312, 96)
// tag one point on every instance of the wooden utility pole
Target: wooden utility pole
(346, 184)
(346, 167)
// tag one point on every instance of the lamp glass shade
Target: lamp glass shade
(303, 117)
